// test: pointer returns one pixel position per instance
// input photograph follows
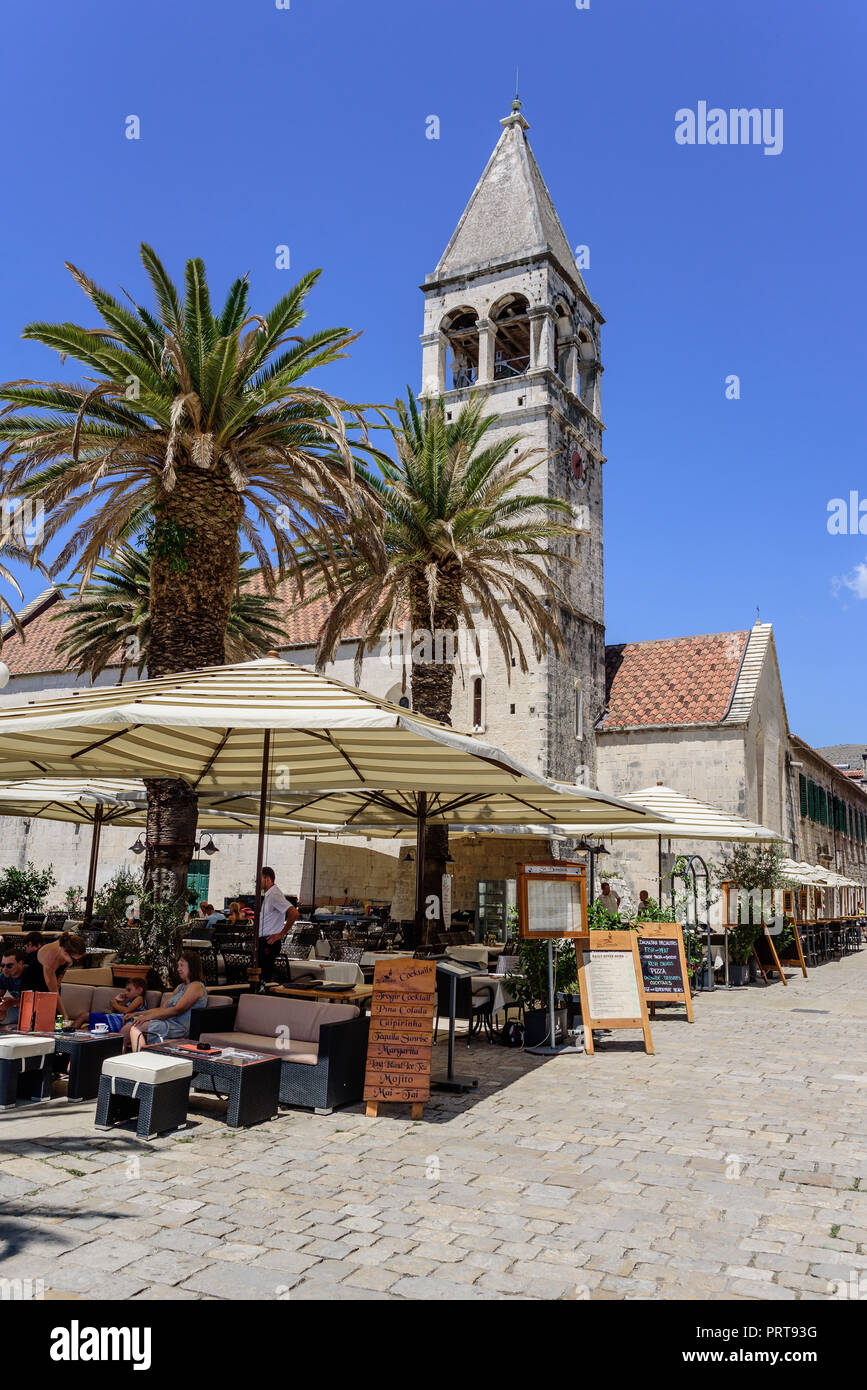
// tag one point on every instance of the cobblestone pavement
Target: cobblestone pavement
(732, 1164)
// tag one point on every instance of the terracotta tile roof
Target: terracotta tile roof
(38, 655)
(676, 681)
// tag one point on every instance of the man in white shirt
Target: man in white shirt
(272, 923)
(608, 899)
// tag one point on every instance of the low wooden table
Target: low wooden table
(359, 995)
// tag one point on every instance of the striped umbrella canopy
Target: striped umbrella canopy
(219, 728)
(113, 802)
(677, 817)
(119, 802)
(268, 727)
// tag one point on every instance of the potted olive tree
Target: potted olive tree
(751, 868)
(742, 938)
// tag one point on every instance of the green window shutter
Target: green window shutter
(802, 789)
(811, 795)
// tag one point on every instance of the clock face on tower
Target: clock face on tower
(578, 468)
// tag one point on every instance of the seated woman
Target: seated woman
(172, 1019)
(45, 969)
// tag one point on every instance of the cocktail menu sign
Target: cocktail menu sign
(401, 1033)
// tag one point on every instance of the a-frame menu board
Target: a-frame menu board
(611, 985)
(663, 965)
(401, 1033)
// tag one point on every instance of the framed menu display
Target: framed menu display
(552, 900)
(611, 985)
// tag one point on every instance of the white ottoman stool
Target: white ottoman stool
(155, 1089)
(25, 1072)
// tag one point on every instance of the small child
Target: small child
(124, 1005)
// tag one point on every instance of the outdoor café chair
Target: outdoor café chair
(475, 1010)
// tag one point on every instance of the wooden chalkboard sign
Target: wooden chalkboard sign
(611, 985)
(765, 953)
(663, 965)
(401, 1033)
(552, 899)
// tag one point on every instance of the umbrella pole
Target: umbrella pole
(260, 853)
(659, 870)
(313, 889)
(420, 844)
(91, 872)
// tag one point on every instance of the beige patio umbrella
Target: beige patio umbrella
(679, 817)
(97, 803)
(265, 727)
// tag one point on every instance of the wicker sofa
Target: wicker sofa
(219, 1012)
(322, 1047)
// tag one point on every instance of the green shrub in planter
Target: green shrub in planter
(742, 938)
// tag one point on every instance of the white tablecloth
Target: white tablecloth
(471, 955)
(496, 986)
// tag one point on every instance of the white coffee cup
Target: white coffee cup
(99, 1028)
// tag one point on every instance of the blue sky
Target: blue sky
(306, 127)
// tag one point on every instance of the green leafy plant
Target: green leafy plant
(654, 912)
(73, 900)
(25, 890)
(529, 983)
(741, 940)
(116, 899)
(600, 919)
(163, 926)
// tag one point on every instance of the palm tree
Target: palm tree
(202, 422)
(111, 618)
(466, 538)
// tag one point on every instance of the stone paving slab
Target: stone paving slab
(730, 1165)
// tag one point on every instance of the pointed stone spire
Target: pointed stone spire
(511, 212)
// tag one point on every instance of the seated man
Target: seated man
(216, 918)
(11, 972)
(125, 1005)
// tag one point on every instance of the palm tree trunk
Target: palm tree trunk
(431, 686)
(193, 574)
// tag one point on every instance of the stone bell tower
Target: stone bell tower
(507, 313)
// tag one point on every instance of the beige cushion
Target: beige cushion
(287, 1049)
(97, 975)
(263, 1014)
(147, 1066)
(24, 1046)
(76, 998)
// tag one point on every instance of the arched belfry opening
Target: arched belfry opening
(564, 331)
(587, 371)
(461, 331)
(511, 320)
